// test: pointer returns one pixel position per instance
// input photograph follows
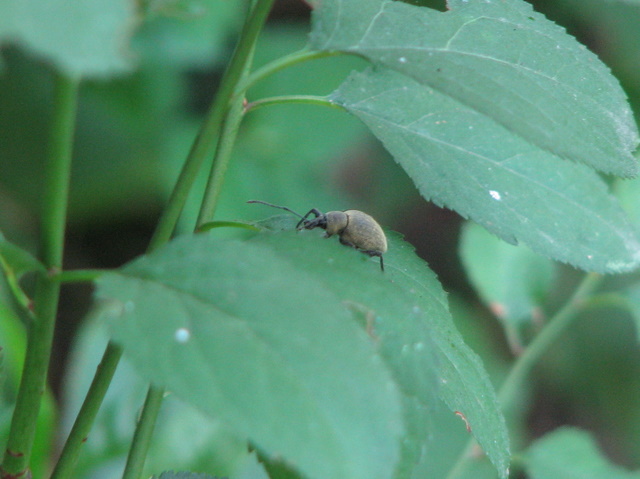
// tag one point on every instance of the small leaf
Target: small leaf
(18, 260)
(504, 61)
(513, 281)
(569, 453)
(465, 161)
(82, 37)
(263, 346)
(15, 262)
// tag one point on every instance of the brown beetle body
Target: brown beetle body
(353, 227)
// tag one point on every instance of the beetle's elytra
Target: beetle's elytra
(353, 227)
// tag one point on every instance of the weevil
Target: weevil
(354, 228)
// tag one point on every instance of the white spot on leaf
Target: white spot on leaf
(182, 335)
(495, 195)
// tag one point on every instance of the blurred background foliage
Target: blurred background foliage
(132, 136)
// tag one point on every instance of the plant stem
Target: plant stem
(88, 412)
(40, 334)
(144, 432)
(307, 99)
(210, 130)
(227, 115)
(560, 323)
(532, 355)
(284, 62)
(220, 164)
(78, 276)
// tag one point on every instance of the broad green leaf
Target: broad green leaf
(414, 331)
(263, 346)
(463, 160)
(391, 315)
(504, 61)
(569, 453)
(513, 281)
(82, 38)
(393, 318)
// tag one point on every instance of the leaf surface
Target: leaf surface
(502, 60)
(262, 332)
(82, 37)
(571, 453)
(263, 346)
(465, 161)
(464, 386)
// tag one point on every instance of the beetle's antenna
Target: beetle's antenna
(276, 206)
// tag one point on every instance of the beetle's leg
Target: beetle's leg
(347, 243)
(374, 253)
(312, 211)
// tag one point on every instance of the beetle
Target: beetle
(354, 228)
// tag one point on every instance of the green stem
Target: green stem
(226, 112)
(560, 323)
(306, 99)
(88, 412)
(40, 334)
(521, 370)
(284, 62)
(220, 164)
(144, 433)
(78, 276)
(210, 131)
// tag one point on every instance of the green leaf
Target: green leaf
(15, 262)
(465, 161)
(512, 280)
(415, 334)
(260, 344)
(569, 453)
(82, 38)
(504, 61)
(628, 192)
(252, 469)
(464, 384)
(392, 316)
